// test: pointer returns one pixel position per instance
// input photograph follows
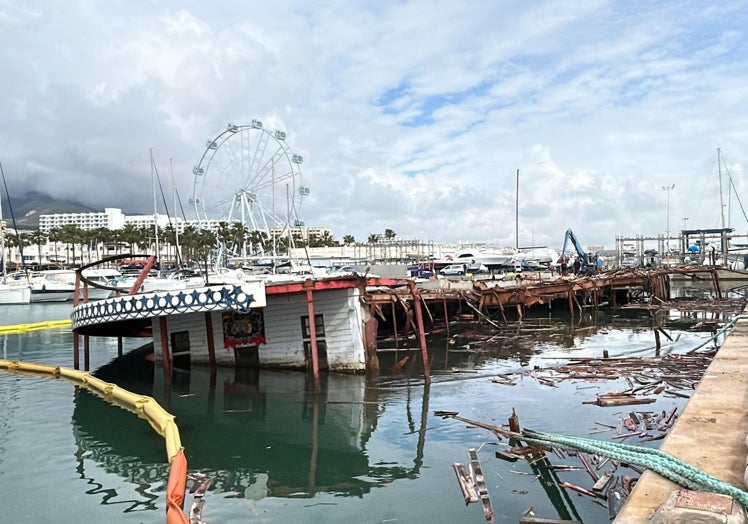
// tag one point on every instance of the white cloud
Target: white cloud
(413, 116)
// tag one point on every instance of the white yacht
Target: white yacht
(54, 285)
(15, 293)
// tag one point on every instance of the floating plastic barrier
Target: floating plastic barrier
(143, 406)
(35, 326)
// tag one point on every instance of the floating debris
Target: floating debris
(473, 484)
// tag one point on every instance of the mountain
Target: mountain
(27, 207)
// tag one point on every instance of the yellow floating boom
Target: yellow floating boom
(34, 326)
(143, 406)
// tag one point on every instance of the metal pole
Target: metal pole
(667, 233)
(516, 215)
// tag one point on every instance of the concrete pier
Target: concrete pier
(710, 435)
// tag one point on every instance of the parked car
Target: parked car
(453, 269)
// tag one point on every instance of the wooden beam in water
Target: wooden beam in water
(480, 484)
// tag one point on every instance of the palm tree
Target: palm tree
(197, 243)
(12, 241)
(223, 235)
(145, 237)
(101, 236)
(389, 234)
(55, 235)
(259, 241)
(373, 238)
(239, 232)
(71, 234)
(38, 237)
(170, 238)
(348, 240)
(327, 240)
(129, 235)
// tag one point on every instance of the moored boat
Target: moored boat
(54, 285)
(19, 293)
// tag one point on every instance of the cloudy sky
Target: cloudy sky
(414, 116)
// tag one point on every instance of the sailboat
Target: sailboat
(16, 291)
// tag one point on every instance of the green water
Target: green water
(366, 450)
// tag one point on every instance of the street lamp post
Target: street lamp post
(667, 233)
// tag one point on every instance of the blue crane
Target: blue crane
(586, 261)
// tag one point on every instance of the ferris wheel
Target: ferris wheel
(248, 174)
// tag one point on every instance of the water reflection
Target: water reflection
(253, 432)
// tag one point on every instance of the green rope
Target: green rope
(658, 461)
(728, 325)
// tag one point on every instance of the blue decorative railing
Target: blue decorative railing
(150, 305)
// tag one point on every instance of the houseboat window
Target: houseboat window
(180, 342)
(180, 351)
(319, 326)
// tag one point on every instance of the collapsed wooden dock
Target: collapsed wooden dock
(401, 310)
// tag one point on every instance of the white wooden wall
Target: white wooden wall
(343, 318)
(341, 310)
(194, 323)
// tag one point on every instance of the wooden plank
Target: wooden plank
(466, 483)
(480, 484)
(601, 484)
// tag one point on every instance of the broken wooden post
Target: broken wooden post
(421, 334)
(394, 324)
(370, 335)
(514, 422)
(446, 312)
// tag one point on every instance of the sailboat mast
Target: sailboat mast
(272, 210)
(721, 203)
(516, 215)
(155, 209)
(176, 224)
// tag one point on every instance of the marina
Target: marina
(480, 365)
(374, 262)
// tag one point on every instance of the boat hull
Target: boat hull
(48, 295)
(15, 294)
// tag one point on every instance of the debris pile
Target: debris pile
(669, 376)
(610, 486)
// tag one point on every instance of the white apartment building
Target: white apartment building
(110, 218)
(114, 218)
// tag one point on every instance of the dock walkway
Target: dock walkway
(709, 435)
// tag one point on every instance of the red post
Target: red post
(76, 351)
(211, 341)
(309, 285)
(165, 357)
(143, 274)
(77, 288)
(86, 354)
(421, 335)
